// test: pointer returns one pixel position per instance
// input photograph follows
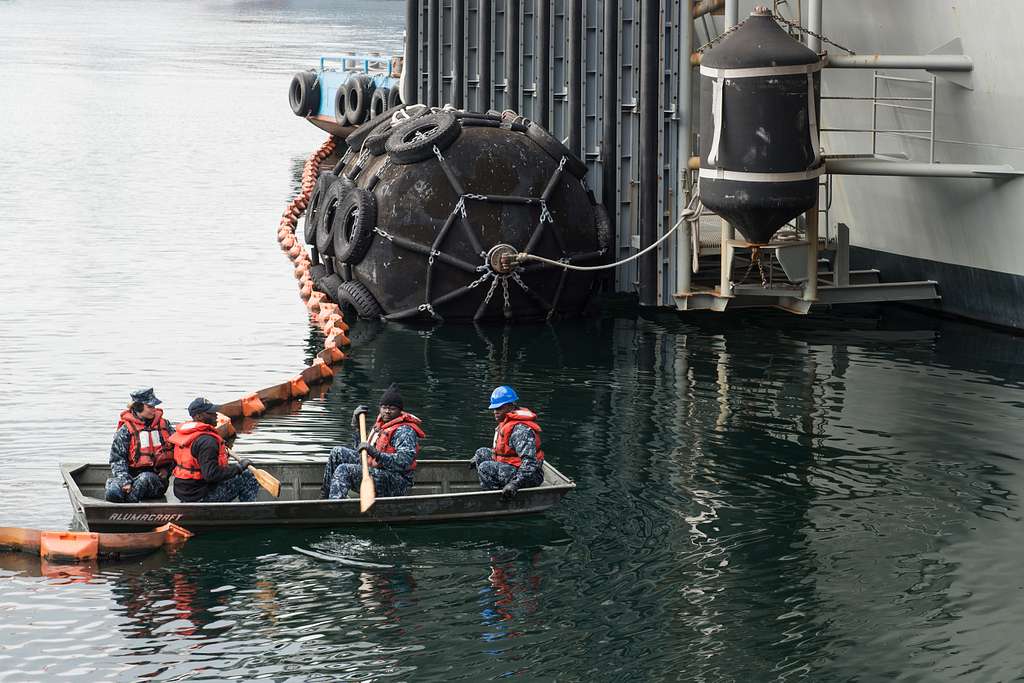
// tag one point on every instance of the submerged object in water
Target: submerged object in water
(417, 218)
(81, 546)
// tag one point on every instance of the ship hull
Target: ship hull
(966, 234)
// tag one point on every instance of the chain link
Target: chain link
(713, 41)
(787, 22)
(490, 292)
(504, 286)
(798, 27)
(480, 280)
(437, 153)
(433, 253)
(477, 197)
(384, 234)
(460, 206)
(519, 281)
(545, 215)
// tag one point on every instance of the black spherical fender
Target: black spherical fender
(304, 93)
(353, 296)
(341, 104)
(415, 140)
(329, 205)
(360, 90)
(379, 102)
(556, 150)
(354, 221)
(356, 138)
(316, 202)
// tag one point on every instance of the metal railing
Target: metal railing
(380, 63)
(896, 103)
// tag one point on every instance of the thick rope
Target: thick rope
(690, 214)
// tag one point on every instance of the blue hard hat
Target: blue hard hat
(502, 395)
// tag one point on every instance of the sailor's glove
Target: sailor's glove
(360, 410)
(510, 491)
(244, 463)
(370, 450)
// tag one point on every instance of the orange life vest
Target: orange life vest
(380, 435)
(147, 442)
(185, 464)
(503, 451)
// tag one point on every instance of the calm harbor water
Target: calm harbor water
(760, 496)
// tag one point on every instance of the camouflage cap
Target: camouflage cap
(145, 396)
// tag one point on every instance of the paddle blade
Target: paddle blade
(267, 481)
(367, 494)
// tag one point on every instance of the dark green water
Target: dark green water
(760, 496)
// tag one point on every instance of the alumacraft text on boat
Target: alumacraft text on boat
(144, 517)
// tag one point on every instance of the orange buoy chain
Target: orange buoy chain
(324, 314)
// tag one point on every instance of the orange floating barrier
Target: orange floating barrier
(279, 393)
(295, 250)
(298, 387)
(252, 405)
(70, 545)
(306, 291)
(330, 356)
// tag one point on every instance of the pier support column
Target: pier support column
(811, 286)
(684, 254)
(411, 67)
(650, 120)
(814, 24)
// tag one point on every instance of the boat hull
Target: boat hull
(445, 490)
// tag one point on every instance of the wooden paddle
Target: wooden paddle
(367, 492)
(265, 479)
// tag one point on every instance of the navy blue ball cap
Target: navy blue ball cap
(201, 405)
(145, 396)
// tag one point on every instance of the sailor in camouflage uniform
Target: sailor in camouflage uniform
(140, 457)
(515, 460)
(391, 447)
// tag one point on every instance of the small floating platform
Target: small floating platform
(445, 490)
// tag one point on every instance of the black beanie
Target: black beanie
(391, 397)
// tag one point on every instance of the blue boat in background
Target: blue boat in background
(346, 90)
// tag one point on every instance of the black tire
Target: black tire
(415, 140)
(556, 150)
(341, 104)
(304, 93)
(360, 90)
(353, 296)
(335, 194)
(358, 136)
(353, 225)
(329, 285)
(316, 201)
(377, 140)
(395, 97)
(379, 102)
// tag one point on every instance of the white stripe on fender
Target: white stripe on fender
(760, 72)
(740, 176)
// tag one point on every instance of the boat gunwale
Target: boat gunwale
(82, 501)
